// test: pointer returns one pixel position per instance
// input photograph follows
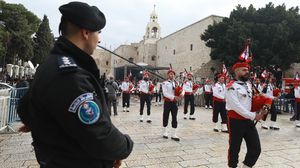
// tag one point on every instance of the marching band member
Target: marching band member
(126, 88)
(172, 93)
(146, 89)
(219, 104)
(268, 90)
(189, 90)
(208, 94)
(297, 111)
(240, 104)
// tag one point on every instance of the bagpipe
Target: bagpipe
(260, 103)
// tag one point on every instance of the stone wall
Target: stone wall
(184, 48)
(103, 61)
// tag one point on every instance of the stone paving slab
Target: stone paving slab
(199, 146)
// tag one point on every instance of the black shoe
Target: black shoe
(274, 128)
(216, 130)
(127, 111)
(225, 131)
(149, 121)
(175, 139)
(292, 119)
(192, 118)
(184, 118)
(141, 120)
(165, 137)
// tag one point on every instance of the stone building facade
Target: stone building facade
(103, 61)
(184, 49)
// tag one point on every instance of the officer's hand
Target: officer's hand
(117, 163)
(24, 128)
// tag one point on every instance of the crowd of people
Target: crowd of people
(69, 114)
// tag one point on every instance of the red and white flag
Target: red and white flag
(246, 55)
(264, 74)
(297, 76)
(224, 70)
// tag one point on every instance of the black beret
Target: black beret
(83, 15)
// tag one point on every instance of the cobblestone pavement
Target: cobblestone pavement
(199, 145)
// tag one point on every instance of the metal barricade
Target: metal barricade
(285, 105)
(9, 105)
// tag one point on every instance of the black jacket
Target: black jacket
(67, 113)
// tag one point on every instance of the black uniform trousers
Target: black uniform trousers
(208, 99)
(297, 111)
(189, 99)
(239, 130)
(158, 97)
(126, 100)
(219, 108)
(145, 98)
(170, 107)
(273, 112)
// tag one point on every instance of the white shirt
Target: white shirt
(238, 98)
(144, 86)
(297, 92)
(168, 88)
(207, 88)
(219, 90)
(269, 92)
(188, 86)
(125, 86)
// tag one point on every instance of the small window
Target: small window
(191, 47)
(137, 53)
(153, 58)
(166, 47)
(174, 52)
(131, 59)
(106, 62)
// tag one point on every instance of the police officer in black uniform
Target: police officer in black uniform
(65, 108)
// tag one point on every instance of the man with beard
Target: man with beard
(241, 125)
(146, 89)
(170, 104)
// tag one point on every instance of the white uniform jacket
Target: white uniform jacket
(238, 97)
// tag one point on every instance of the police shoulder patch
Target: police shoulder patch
(66, 62)
(89, 112)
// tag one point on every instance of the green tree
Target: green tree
(43, 41)
(21, 24)
(275, 34)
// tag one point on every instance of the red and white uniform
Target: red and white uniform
(168, 88)
(145, 87)
(297, 93)
(219, 92)
(207, 88)
(126, 87)
(188, 87)
(238, 97)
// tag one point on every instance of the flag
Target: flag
(264, 74)
(297, 76)
(246, 55)
(224, 70)
(130, 75)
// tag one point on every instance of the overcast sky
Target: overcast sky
(127, 19)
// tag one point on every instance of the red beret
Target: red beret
(171, 70)
(146, 73)
(189, 74)
(221, 75)
(239, 65)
